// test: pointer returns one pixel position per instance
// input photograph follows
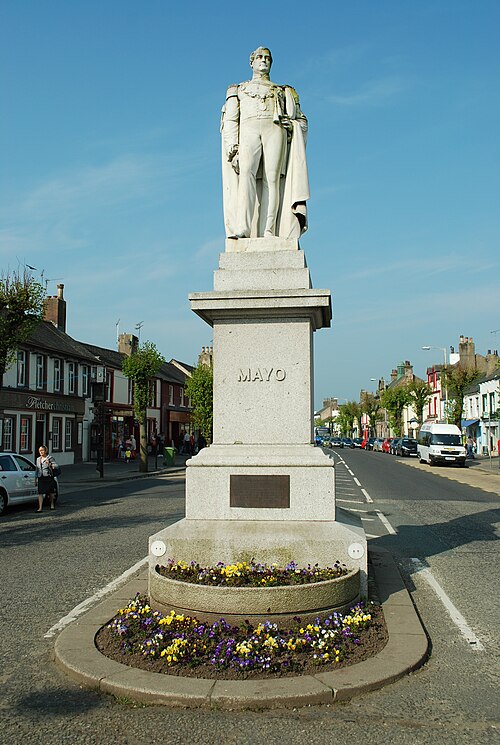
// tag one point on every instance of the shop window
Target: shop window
(57, 374)
(22, 368)
(8, 434)
(68, 434)
(41, 372)
(56, 433)
(25, 434)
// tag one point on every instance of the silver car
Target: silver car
(17, 480)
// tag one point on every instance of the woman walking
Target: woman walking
(45, 464)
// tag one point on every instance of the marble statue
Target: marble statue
(264, 167)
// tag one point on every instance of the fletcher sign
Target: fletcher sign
(40, 403)
(261, 374)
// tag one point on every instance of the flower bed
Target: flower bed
(180, 644)
(252, 574)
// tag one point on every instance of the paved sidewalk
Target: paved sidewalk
(115, 470)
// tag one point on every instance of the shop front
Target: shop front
(28, 421)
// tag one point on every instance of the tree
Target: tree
(457, 379)
(394, 401)
(141, 367)
(200, 389)
(349, 413)
(370, 405)
(21, 310)
(419, 393)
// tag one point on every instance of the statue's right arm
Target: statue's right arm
(231, 122)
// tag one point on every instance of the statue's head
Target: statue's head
(261, 53)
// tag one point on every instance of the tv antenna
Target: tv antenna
(51, 279)
(138, 327)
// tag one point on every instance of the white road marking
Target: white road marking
(385, 522)
(369, 535)
(367, 496)
(356, 481)
(453, 612)
(89, 602)
(351, 501)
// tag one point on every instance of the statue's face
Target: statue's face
(262, 61)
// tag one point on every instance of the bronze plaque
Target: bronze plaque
(259, 491)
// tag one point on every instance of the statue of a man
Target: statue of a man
(263, 156)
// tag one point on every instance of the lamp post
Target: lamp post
(443, 349)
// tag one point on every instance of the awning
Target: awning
(469, 422)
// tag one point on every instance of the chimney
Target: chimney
(206, 356)
(394, 375)
(128, 344)
(55, 309)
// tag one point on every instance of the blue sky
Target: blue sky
(110, 178)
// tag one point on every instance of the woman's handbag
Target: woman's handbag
(56, 471)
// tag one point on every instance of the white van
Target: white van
(440, 443)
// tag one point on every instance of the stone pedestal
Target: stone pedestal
(262, 490)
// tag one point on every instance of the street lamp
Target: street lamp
(443, 349)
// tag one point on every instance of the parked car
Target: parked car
(377, 444)
(348, 443)
(386, 445)
(358, 442)
(336, 442)
(406, 446)
(393, 445)
(369, 443)
(18, 480)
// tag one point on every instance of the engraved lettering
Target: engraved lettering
(261, 375)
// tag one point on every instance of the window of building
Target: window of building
(85, 380)
(56, 433)
(492, 404)
(25, 434)
(170, 395)
(22, 368)
(485, 403)
(71, 377)
(68, 434)
(130, 391)
(182, 397)
(41, 370)
(8, 434)
(57, 374)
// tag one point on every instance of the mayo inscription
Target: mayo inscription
(261, 374)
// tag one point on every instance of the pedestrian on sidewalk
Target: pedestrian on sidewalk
(470, 448)
(45, 465)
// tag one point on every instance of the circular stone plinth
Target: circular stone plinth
(254, 603)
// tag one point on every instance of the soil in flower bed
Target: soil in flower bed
(371, 641)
